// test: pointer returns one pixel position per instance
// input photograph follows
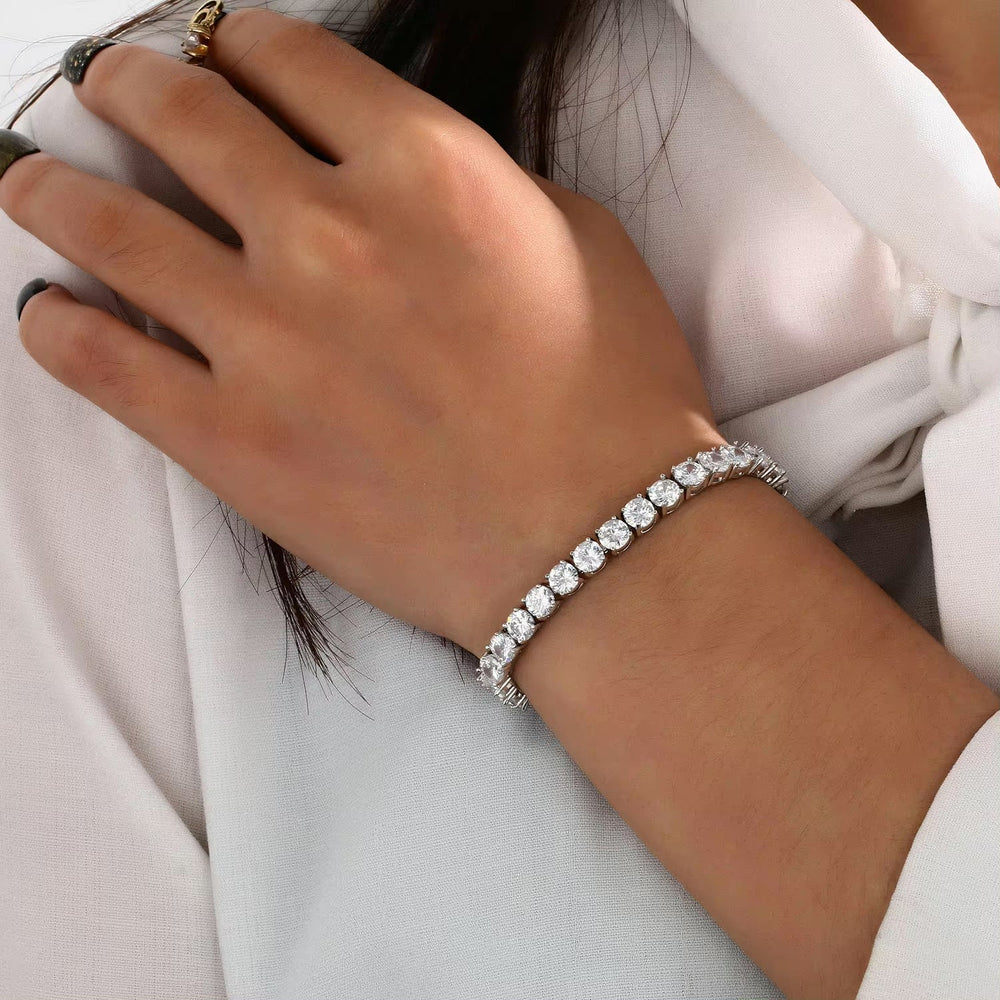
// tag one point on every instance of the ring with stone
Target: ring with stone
(199, 31)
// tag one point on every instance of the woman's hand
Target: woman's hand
(429, 370)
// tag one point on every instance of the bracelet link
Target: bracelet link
(637, 517)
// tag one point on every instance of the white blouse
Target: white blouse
(184, 816)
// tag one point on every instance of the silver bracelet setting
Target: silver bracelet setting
(687, 479)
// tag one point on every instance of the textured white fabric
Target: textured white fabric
(940, 936)
(828, 236)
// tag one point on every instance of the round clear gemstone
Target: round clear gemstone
(540, 601)
(639, 513)
(664, 492)
(741, 457)
(588, 556)
(503, 647)
(563, 578)
(521, 624)
(490, 671)
(614, 534)
(689, 473)
(716, 459)
(194, 45)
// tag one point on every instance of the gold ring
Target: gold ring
(200, 28)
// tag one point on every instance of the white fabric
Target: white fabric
(940, 936)
(828, 235)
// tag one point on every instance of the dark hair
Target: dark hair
(500, 63)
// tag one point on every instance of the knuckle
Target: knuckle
(445, 147)
(126, 386)
(180, 92)
(286, 37)
(90, 357)
(146, 266)
(185, 96)
(282, 39)
(599, 213)
(239, 19)
(83, 347)
(114, 237)
(326, 233)
(452, 166)
(105, 224)
(572, 202)
(136, 390)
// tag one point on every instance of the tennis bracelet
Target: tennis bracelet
(639, 515)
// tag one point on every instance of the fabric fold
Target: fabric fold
(885, 402)
(839, 95)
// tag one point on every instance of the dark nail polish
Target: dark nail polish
(33, 287)
(77, 57)
(13, 146)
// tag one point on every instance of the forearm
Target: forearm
(770, 723)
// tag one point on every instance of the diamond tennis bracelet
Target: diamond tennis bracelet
(687, 479)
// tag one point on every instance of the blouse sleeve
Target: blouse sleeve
(940, 937)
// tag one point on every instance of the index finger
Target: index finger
(228, 152)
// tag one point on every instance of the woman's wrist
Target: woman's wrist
(511, 562)
(679, 572)
(769, 722)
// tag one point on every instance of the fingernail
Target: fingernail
(33, 287)
(13, 146)
(77, 57)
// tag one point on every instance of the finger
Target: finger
(160, 261)
(161, 394)
(334, 96)
(228, 152)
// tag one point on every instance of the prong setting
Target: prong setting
(637, 517)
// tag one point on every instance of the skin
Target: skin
(383, 340)
(767, 719)
(481, 364)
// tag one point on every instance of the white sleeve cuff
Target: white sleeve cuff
(940, 937)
